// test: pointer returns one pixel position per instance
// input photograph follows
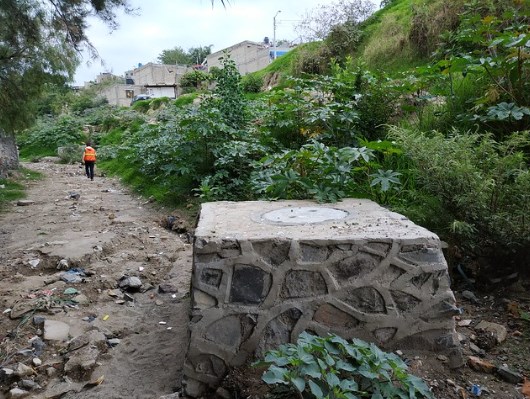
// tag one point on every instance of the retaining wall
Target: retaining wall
(264, 272)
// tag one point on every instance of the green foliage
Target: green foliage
(492, 46)
(195, 80)
(39, 45)
(323, 173)
(185, 99)
(47, 135)
(178, 56)
(334, 368)
(252, 83)
(229, 94)
(482, 186)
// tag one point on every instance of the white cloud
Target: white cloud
(164, 24)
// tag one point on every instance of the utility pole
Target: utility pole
(274, 33)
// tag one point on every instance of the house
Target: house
(157, 80)
(249, 56)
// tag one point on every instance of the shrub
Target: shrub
(482, 187)
(334, 368)
(47, 135)
(252, 83)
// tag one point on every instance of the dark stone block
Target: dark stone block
(313, 253)
(226, 331)
(420, 280)
(250, 285)
(381, 247)
(273, 252)
(404, 302)
(210, 365)
(332, 317)
(207, 258)
(211, 277)
(421, 256)
(383, 335)
(355, 266)
(278, 331)
(302, 283)
(364, 299)
(442, 310)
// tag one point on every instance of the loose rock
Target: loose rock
(17, 393)
(56, 330)
(509, 375)
(497, 330)
(480, 365)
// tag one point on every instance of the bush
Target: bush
(482, 187)
(46, 136)
(252, 83)
(334, 368)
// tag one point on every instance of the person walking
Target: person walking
(89, 160)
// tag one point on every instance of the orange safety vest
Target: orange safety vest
(89, 155)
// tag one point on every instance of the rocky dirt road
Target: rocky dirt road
(93, 292)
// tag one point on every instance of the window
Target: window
(129, 93)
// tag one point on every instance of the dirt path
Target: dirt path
(132, 339)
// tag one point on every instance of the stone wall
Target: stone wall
(266, 271)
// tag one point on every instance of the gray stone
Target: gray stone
(314, 254)
(278, 331)
(211, 277)
(25, 202)
(508, 375)
(223, 393)
(38, 321)
(202, 300)
(383, 335)
(38, 345)
(354, 267)
(81, 362)
(17, 393)
(56, 330)
(328, 315)
(422, 255)
(23, 371)
(303, 283)
(130, 283)
(226, 331)
(250, 285)
(404, 302)
(498, 331)
(166, 288)
(365, 299)
(28, 384)
(81, 299)
(114, 341)
(470, 296)
(273, 252)
(175, 395)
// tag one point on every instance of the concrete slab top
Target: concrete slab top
(349, 219)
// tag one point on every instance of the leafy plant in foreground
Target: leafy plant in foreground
(334, 368)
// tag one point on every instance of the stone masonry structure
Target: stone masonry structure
(266, 271)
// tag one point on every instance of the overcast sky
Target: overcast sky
(164, 24)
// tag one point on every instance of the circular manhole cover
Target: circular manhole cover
(303, 215)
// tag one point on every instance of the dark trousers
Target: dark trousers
(89, 169)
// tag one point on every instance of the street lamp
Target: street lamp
(274, 33)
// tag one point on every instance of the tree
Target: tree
(318, 22)
(177, 55)
(40, 43)
(199, 54)
(174, 56)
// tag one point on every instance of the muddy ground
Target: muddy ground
(94, 295)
